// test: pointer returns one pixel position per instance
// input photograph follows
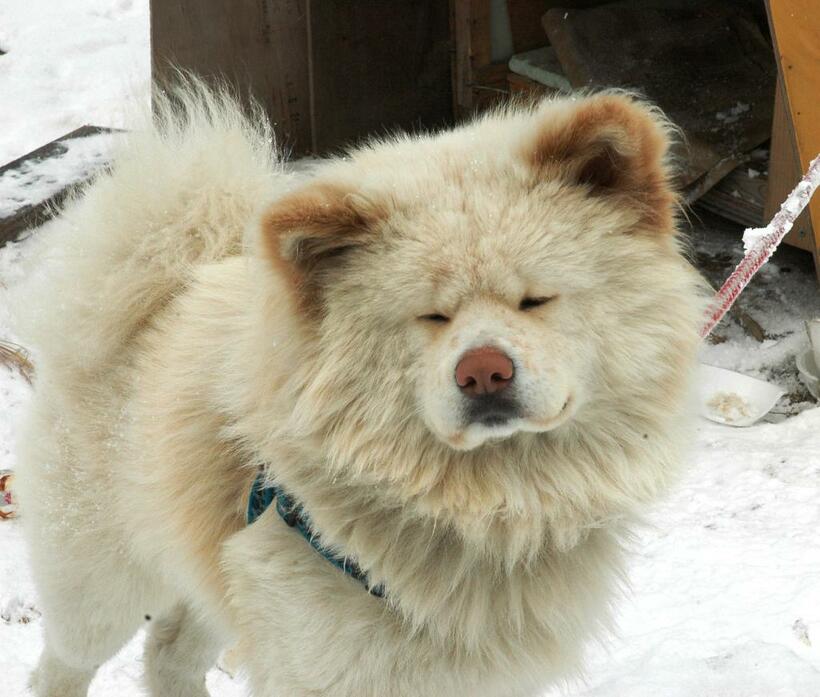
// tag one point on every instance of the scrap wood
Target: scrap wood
(17, 357)
(34, 214)
(706, 64)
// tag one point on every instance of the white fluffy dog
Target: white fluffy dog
(462, 359)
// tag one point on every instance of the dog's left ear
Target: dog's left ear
(614, 146)
(308, 232)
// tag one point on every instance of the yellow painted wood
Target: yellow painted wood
(784, 170)
(796, 32)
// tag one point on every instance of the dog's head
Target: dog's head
(508, 287)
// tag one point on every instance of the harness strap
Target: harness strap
(262, 495)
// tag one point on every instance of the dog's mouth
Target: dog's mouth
(499, 419)
(492, 410)
(550, 423)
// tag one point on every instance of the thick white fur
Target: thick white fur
(179, 347)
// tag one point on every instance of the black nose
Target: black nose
(491, 409)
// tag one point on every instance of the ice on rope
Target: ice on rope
(760, 244)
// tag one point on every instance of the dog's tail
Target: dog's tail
(181, 192)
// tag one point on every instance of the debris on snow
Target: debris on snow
(801, 631)
(16, 610)
(730, 406)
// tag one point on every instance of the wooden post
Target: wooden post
(795, 28)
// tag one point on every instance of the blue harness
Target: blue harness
(262, 495)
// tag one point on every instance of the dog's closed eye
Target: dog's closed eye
(532, 303)
(435, 317)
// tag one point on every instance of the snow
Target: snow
(724, 597)
(725, 587)
(68, 64)
(37, 180)
(782, 296)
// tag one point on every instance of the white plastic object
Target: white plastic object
(809, 372)
(813, 329)
(734, 399)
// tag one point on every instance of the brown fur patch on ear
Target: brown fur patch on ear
(305, 231)
(614, 145)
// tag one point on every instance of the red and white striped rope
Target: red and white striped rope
(760, 245)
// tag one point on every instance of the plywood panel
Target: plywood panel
(328, 73)
(784, 172)
(259, 46)
(707, 66)
(525, 23)
(377, 66)
(525, 19)
(796, 31)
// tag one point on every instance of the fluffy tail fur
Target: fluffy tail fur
(181, 192)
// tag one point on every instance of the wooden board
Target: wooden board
(475, 79)
(738, 197)
(784, 172)
(526, 88)
(525, 23)
(259, 46)
(490, 86)
(481, 45)
(795, 28)
(327, 73)
(460, 65)
(525, 19)
(706, 64)
(470, 34)
(32, 215)
(377, 66)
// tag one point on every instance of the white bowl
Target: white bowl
(813, 330)
(809, 374)
(734, 399)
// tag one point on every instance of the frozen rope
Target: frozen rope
(759, 244)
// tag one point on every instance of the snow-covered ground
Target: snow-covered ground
(68, 64)
(725, 581)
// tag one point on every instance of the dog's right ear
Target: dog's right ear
(308, 232)
(614, 146)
